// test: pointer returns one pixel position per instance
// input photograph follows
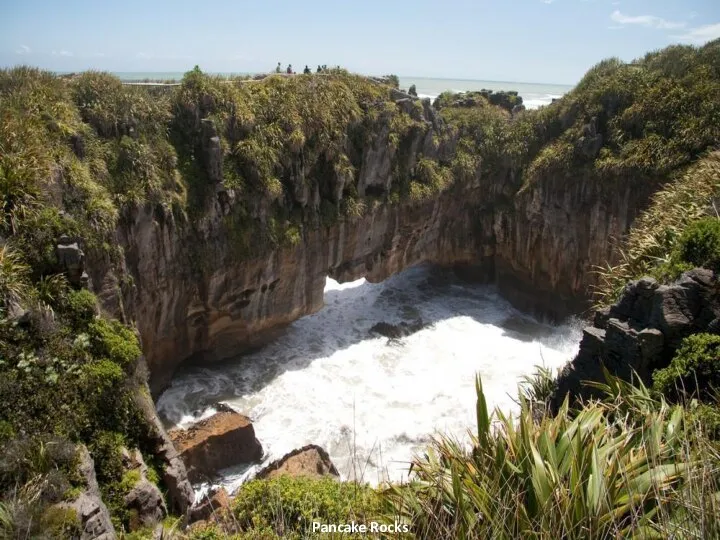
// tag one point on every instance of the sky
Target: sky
(545, 41)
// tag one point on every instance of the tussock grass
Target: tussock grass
(649, 247)
(628, 466)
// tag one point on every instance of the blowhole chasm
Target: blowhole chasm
(372, 401)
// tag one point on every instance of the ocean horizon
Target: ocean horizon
(534, 94)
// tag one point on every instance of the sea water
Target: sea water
(534, 94)
(373, 403)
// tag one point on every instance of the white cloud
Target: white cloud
(700, 35)
(62, 52)
(23, 49)
(548, 1)
(650, 21)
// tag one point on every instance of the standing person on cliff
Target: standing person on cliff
(289, 69)
(306, 71)
(278, 69)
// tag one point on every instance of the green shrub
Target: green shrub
(700, 244)
(694, 371)
(288, 505)
(106, 450)
(707, 417)
(81, 307)
(113, 340)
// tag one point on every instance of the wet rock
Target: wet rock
(310, 460)
(225, 439)
(397, 331)
(216, 501)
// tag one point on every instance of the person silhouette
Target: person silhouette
(289, 69)
(306, 71)
(319, 69)
(278, 69)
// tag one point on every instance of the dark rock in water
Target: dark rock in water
(215, 501)
(310, 460)
(641, 332)
(397, 331)
(225, 439)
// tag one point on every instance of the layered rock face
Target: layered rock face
(642, 331)
(557, 232)
(195, 298)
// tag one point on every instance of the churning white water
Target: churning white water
(372, 402)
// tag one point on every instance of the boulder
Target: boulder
(225, 439)
(397, 331)
(215, 501)
(310, 460)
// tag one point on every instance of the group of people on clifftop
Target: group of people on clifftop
(306, 71)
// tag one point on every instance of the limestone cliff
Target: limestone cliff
(194, 298)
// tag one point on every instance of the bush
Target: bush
(81, 307)
(700, 244)
(113, 340)
(287, 505)
(694, 371)
(604, 471)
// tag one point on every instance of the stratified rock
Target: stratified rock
(310, 460)
(225, 439)
(72, 260)
(144, 498)
(641, 332)
(174, 475)
(94, 517)
(213, 155)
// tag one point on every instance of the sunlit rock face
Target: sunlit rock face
(195, 297)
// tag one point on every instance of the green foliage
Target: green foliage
(652, 246)
(287, 506)
(699, 244)
(616, 468)
(113, 340)
(694, 370)
(81, 307)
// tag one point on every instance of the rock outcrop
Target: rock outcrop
(310, 460)
(397, 331)
(94, 517)
(215, 501)
(225, 439)
(642, 331)
(144, 500)
(174, 474)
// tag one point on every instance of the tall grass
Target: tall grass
(628, 466)
(650, 243)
